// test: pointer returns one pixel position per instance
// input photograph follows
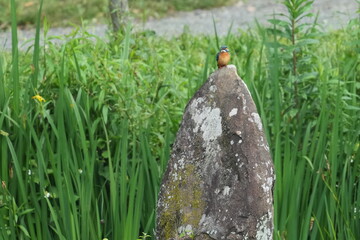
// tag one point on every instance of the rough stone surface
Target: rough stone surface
(219, 180)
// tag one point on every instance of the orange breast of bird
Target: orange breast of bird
(224, 58)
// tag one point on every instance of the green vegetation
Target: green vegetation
(69, 12)
(86, 128)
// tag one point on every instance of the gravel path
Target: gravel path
(333, 14)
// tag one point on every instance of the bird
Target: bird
(223, 57)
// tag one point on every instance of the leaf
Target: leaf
(24, 230)
(105, 154)
(350, 107)
(26, 211)
(304, 42)
(278, 22)
(105, 111)
(102, 96)
(304, 16)
(4, 133)
(305, 7)
(273, 44)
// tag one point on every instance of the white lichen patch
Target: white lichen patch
(207, 119)
(233, 112)
(264, 232)
(202, 220)
(244, 103)
(212, 150)
(265, 146)
(188, 230)
(213, 231)
(181, 163)
(231, 66)
(267, 186)
(213, 88)
(257, 120)
(211, 126)
(208, 122)
(226, 190)
(195, 103)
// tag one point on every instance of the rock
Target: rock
(219, 179)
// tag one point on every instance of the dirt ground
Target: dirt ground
(333, 14)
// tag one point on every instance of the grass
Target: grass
(87, 162)
(69, 12)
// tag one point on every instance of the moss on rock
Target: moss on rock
(186, 198)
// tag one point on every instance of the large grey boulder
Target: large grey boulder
(219, 180)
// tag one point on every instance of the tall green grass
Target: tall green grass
(313, 116)
(86, 163)
(70, 167)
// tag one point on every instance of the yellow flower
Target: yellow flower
(39, 98)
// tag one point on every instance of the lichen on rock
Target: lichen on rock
(183, 202)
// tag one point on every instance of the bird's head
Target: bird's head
(224, 49)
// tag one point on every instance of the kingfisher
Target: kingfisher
(223, 57)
